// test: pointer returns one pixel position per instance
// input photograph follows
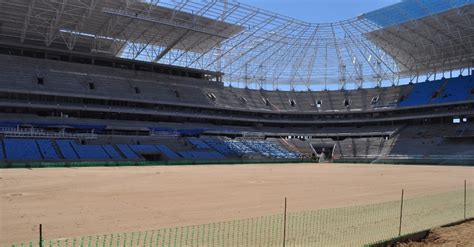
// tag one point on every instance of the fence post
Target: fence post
(401, 215)
(465, 198)
(284, 226)
(41, 235)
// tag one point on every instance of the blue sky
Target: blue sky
(320, 11)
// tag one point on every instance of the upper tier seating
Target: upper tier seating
(456, 89)
(20, 73)
(422, 93)
(441, 91)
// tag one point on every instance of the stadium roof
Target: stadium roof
(254, 47)
(428, 44)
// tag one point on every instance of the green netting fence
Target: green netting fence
(349, 226)
(15, 165)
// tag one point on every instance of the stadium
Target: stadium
(145, 122)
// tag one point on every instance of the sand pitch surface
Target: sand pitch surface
(72, 202)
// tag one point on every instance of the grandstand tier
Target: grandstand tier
(432, 142)
(181, 83)
(40, 149)
(35, 86)
(58, 111)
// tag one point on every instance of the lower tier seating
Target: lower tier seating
(24, 149)
(47, 150)
(2, 155)
(112, 152)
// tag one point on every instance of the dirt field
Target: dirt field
(83, 201)
(460, 235)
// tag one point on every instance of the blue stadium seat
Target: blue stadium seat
(216, 155)
(270, 149)
(47, 149)
(200, 155)
(241, 148)
(22, 149)
(199, 143)
(185, 155)
(112, 152)
(8, 124)
(128, 152)
(168, 152)
(44, 149)
(65, 146)
(422, 93)
(209, 155)
(457, 89)
(90, 152)
(2, 155)
(220, 146)
(144, 148)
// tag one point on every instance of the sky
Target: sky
(320, 11)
